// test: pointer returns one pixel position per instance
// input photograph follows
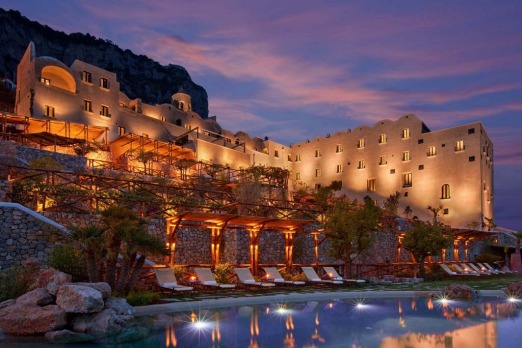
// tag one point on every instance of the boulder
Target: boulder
(514, 289)
(52, 279)
(28, 320)
(459, 291)
(7, 303)
(37, 297)
(103, 323)
(102, 287)
(119, 305)
(66, 336)
(79, 299)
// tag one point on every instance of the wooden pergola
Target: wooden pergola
(217, 223)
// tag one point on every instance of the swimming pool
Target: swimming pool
(365, 322)
(389, 323)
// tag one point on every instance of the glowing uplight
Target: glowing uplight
(443, 300)
(360, 305)
(513, 299)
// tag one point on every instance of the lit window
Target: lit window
(298, 157)
(459, 145)
(298, 176)
(406, 156)
(121, 130)
(104, 83)
(432, 151)
(87, 77)
(383, 160)
(405, 133)
(360, 143)
(317, 153)
(45, 81)
(276, 153)
(49, 111)
(445, 191)
(105, 111)
(318, 172)
(87, 105)
(189, 127)
(382, 139)
(406, 180)
(339, 168)
(163, 118)
(370, 185)
(339, 148)
(361, 165)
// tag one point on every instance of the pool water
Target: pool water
(384, 323)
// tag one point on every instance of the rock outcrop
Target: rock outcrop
(514, 289)
(69, 312)
(459, 291)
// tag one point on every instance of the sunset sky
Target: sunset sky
(294, 70)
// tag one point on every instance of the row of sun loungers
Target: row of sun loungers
(167, 279)
(471, 269)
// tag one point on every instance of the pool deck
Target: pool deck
(229, 299)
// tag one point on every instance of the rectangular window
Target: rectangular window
(459, 145)
(370, 185)
(392, 171)
(189, 127)
(298, 157)
(421, 166)
(163, 118)
(406, 156)
(86, 77)
(339, 168)
(339, 148)
(289, 158)
(361, 165)
(471, 131)
(104, 83)
(317, 172)
(383, 160)
(297, 176)
(406, 133)
(471, 158)
(446, 211)
(45, 81)
(105, 111)
(49, 111)
(276, 153)
(87, 105)
(420, 141)
(317, 153)
(406, 180)
(360, 143)
(382, 139)
(432, 151)
(121, 130)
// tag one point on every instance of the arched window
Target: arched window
(58, 77)
(182, 105)
(445, 191)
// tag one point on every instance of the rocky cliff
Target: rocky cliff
(132, 70)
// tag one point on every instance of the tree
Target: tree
(435, 211)
(391, 204)
(144, 157)
(351, 227)
(89, 241)
(426, 238)
(518, 236)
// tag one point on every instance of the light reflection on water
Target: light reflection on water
(390, 323)
(361, 323)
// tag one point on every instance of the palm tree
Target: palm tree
(89, 241)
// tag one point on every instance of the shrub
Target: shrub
(16, 281)
(69, 260)
(488, 258)
(142, 297)
(179, 271)
(221, 272)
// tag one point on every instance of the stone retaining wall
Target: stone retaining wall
(22, 236)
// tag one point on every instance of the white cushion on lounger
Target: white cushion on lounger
(279, 280)
(170, 285)
(210, 282)
(249, 281)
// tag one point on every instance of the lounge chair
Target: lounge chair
(488, 266)
(480, 270)
(167, 280)
(273, 274)
(247, 279)
(465, 272)
(333, 275)
(448, 270)
(312, 277)
(206, 278)
(473, 268)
